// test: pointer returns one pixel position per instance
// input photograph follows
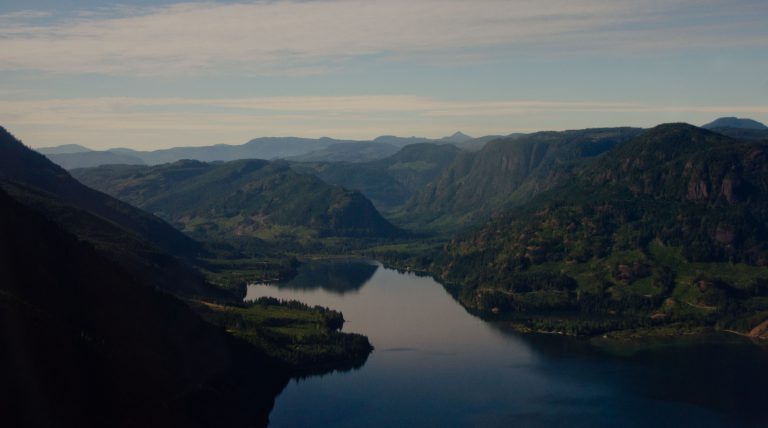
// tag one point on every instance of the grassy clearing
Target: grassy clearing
(301, 336)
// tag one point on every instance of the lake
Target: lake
(437, 365)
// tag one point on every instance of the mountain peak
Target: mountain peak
(457, 137)
(735, 122)
(674, 137)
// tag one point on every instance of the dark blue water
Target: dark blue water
(437, 365)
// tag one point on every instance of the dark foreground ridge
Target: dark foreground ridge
(88, 344)
(104, 323)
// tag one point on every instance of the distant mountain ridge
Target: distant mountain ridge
(94, 158)
(348, 152)
(734, 122)
(63, 149)
(268, 148)
(745, 129)
(400, 141)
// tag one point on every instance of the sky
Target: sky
(154, 74)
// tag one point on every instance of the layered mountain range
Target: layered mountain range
(71, 156)
(618, 227)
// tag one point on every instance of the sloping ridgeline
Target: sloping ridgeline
(93, 158)
(259, 148)
(87, 343)
(254, 198)
(668, 229)
(348, 152)
(505, 173)
(391, 181)
(746, 129)
(139, 241)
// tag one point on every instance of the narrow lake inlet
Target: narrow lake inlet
(435, 364)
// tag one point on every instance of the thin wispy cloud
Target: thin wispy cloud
(200, 73)
(314, 104)
(300, 37)
(24, 15)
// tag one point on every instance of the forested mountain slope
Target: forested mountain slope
(507, 172)
(242, 198)
(669, 226)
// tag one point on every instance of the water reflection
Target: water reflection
(437, 365)
(713, 375)
(335, 276)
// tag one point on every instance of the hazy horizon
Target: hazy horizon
(160, 74)
(437, 138)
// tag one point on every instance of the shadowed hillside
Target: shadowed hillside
(136, 239)
(252, 198)
(86, 343)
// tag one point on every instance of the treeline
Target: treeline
(306, 338)
(334, 320)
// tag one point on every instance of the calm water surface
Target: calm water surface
(437, 365)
